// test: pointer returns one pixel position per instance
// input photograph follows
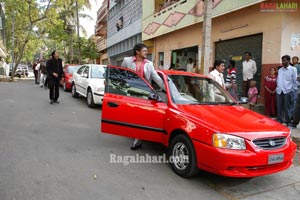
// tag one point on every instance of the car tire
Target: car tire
(65, 86)
(74, 92)
(90, 99)
(182, 156)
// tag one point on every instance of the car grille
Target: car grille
(270, 143)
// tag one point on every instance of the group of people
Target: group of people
(282, 93)
(190, 67)
(48, 74)
(281, 87)
(230, 84)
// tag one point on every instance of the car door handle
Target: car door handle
(112, 104)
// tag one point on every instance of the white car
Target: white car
(88, 81)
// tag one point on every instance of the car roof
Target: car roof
(72, 65)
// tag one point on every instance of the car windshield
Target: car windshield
(72, 69)
(187, 89)
(98, 71)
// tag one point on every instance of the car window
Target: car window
(72, 69)
(86, 70)
(187, 89)
(97, 71)
(126, 83)
(80, 70)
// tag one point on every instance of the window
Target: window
(86, 71)
(72, 69)
(196, 90)
(80, 70)
(119, 24)
(127, 83)
(97, 72)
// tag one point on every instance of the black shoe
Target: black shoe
(56, 101)
(51, 101)
(135, 147)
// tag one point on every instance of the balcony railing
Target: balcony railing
(167, 19)
(101, 44)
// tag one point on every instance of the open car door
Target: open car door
(127, 109)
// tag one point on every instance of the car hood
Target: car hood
(234, 119)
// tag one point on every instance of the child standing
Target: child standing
(252, 94)
(270, 93)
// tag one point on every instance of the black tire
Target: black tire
(182, 145)
(65, 87)
(74, 92)
(90, 99)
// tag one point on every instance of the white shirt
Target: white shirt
(190, 67)
(249, 69)
(218, 77)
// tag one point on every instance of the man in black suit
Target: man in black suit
(55, 73)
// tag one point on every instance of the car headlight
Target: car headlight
(101, 89)
(225, 141)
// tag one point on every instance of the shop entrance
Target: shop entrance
(180, 57)
(234, 49)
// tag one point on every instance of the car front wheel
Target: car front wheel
(90, 99)
(74, 92)
(182, 156)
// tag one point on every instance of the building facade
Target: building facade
(267, 29)
(101, 33)
(124, 28)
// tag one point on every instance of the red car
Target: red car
(69, 69)
(199, 122)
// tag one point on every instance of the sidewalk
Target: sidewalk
(296, 136)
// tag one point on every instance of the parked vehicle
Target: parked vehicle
(22, 70)
(88, 81)
(69, 69)
(200, 123)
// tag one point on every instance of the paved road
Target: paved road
(55, 152)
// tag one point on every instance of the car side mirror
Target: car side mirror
(154, 96)
(85, 75)
(243, 100)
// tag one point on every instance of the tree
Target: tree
(38, 25)
(26, 15)
(88, 49)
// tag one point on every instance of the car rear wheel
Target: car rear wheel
(90, 99)
(74, 92)
(65, 86)
(182, 156)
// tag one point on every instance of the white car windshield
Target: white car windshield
(186, 89)
(98, 71)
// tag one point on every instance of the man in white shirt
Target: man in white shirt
(190, 65)
(249, 70)
(144, 68)
(217, 72)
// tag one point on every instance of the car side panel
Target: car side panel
(133, 117)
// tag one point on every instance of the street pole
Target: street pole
(79, 45)
(206, 37)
